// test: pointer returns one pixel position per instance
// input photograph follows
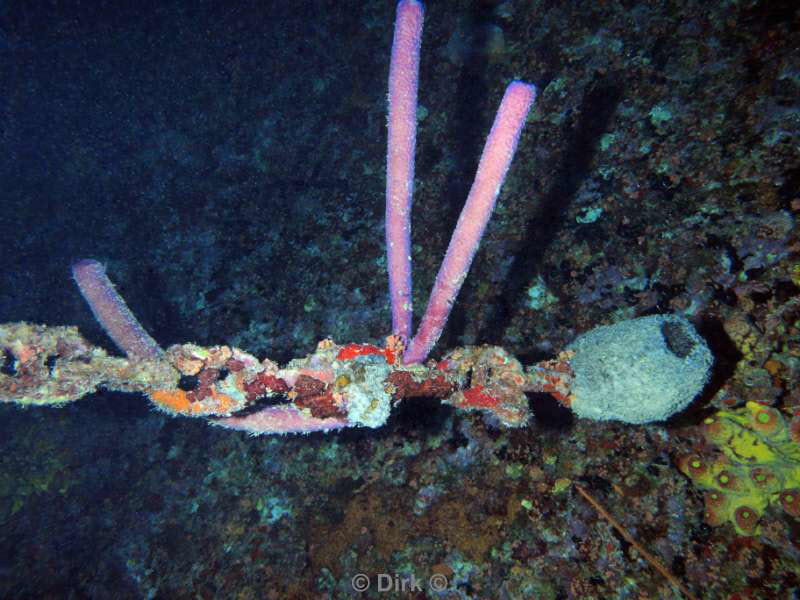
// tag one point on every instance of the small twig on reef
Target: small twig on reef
(648, 557)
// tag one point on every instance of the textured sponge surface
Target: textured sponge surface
(640, 370)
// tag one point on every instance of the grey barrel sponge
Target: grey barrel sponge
(640, 370)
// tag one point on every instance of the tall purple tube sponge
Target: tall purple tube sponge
(492, 168)
(402, 136)
(112, 313)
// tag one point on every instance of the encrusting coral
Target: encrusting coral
(758, 465)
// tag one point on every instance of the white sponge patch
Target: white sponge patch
(640, 370)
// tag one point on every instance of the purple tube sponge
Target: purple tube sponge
(492, 168)
(111, 311)
(402, 122)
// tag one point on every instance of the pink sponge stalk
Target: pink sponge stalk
(492, 168)
(111, 311)
(403, 79)
(281, 419)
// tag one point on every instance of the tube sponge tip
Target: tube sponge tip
(111, 311)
